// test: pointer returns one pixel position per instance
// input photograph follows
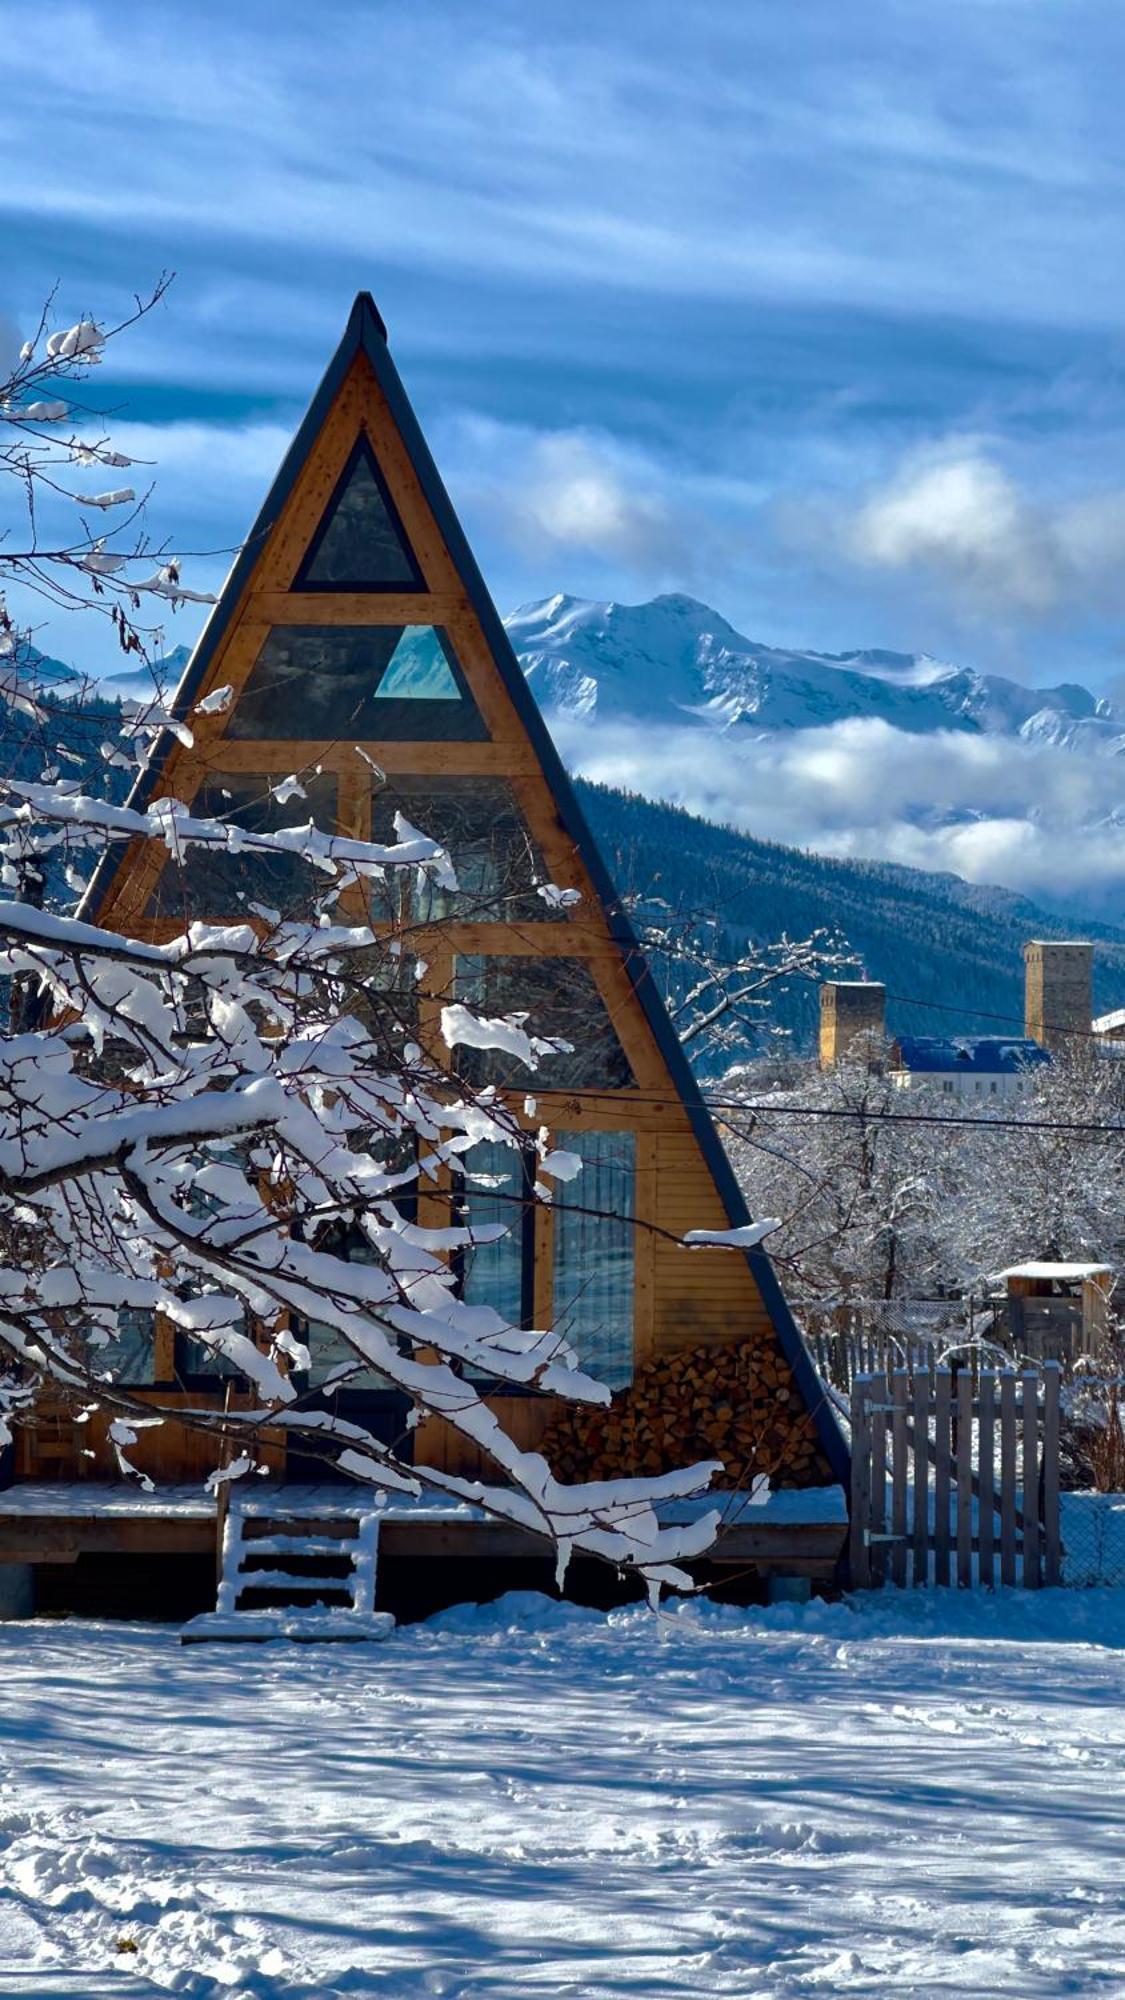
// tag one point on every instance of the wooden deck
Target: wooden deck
(795, 1533)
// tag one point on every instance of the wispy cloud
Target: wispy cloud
(952, 516)
(687, 262)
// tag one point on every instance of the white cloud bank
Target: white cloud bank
(577, 492)
(1038, 820)
(952, 514)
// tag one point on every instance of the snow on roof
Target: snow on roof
(1064, 1272)
(1106, 1023)
(972, 1055)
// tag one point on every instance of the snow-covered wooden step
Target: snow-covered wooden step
(299, 1545)
(355, 1550)
(284, 1579)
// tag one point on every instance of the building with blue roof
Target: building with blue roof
(966, 1065)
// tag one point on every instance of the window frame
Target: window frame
(362, 451)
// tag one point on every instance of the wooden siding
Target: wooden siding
(701, 1297)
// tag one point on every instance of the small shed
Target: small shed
(1053, 1311)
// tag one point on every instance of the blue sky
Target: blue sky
(813, 311)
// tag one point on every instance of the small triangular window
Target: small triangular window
(361, 543)
(419, 670)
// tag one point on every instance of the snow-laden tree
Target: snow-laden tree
(720, 986)
(868, 1199)
(890, 1194)
(1053, 1184)
(77, 540)
(192, 1130)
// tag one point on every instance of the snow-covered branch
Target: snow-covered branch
(82, 545)
(233, 1133)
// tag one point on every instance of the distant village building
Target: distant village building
(1058, 1006)
(1108, 1031)
(1051, 1311)
(849, 1007)
(1058, 990)
(965, 1065)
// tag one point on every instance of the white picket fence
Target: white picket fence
(956, 1477)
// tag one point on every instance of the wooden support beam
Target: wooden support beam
(351, 607)
(237, 755)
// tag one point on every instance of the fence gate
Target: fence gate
(952, 1476)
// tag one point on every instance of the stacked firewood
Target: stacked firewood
(738, 1404)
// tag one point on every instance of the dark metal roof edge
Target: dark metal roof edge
(829, 1434)
(207, 644)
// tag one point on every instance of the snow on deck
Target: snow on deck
(915, 1794)
(91, 1498)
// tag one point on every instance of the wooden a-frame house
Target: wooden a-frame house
(356, 615)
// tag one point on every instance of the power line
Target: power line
(913, 1117)
(983, 1014)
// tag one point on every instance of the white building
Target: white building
(966, 1066)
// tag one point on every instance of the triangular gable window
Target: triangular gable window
(361, 543)
(374, 683)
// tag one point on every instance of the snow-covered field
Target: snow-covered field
(914, 1795)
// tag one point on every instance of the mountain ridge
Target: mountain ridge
(585, 657)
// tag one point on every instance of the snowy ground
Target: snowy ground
(921, 1795)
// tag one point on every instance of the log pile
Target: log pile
(736, 1403)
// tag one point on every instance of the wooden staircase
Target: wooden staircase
(288, 1575)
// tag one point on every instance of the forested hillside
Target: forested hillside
(948, 951)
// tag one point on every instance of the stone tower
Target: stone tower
(1058, 992)
(848, 1007)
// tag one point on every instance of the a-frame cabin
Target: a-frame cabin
(356, 616)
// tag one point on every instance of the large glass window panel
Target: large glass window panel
(361, 543)
(209, 882)
(595, 1254)
(479, 823)
(496, 1189)
(370, 683)
(561, 1000)
(130, 1359)
(332, 1358)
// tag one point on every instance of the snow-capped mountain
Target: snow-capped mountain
(140, 683)
(675, 658)
(878, 755)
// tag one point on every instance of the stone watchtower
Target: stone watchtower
(1058, 992)
(849, 1007)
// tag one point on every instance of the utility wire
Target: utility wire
(754, 1108)
(983, 1014)
(915, 1117)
